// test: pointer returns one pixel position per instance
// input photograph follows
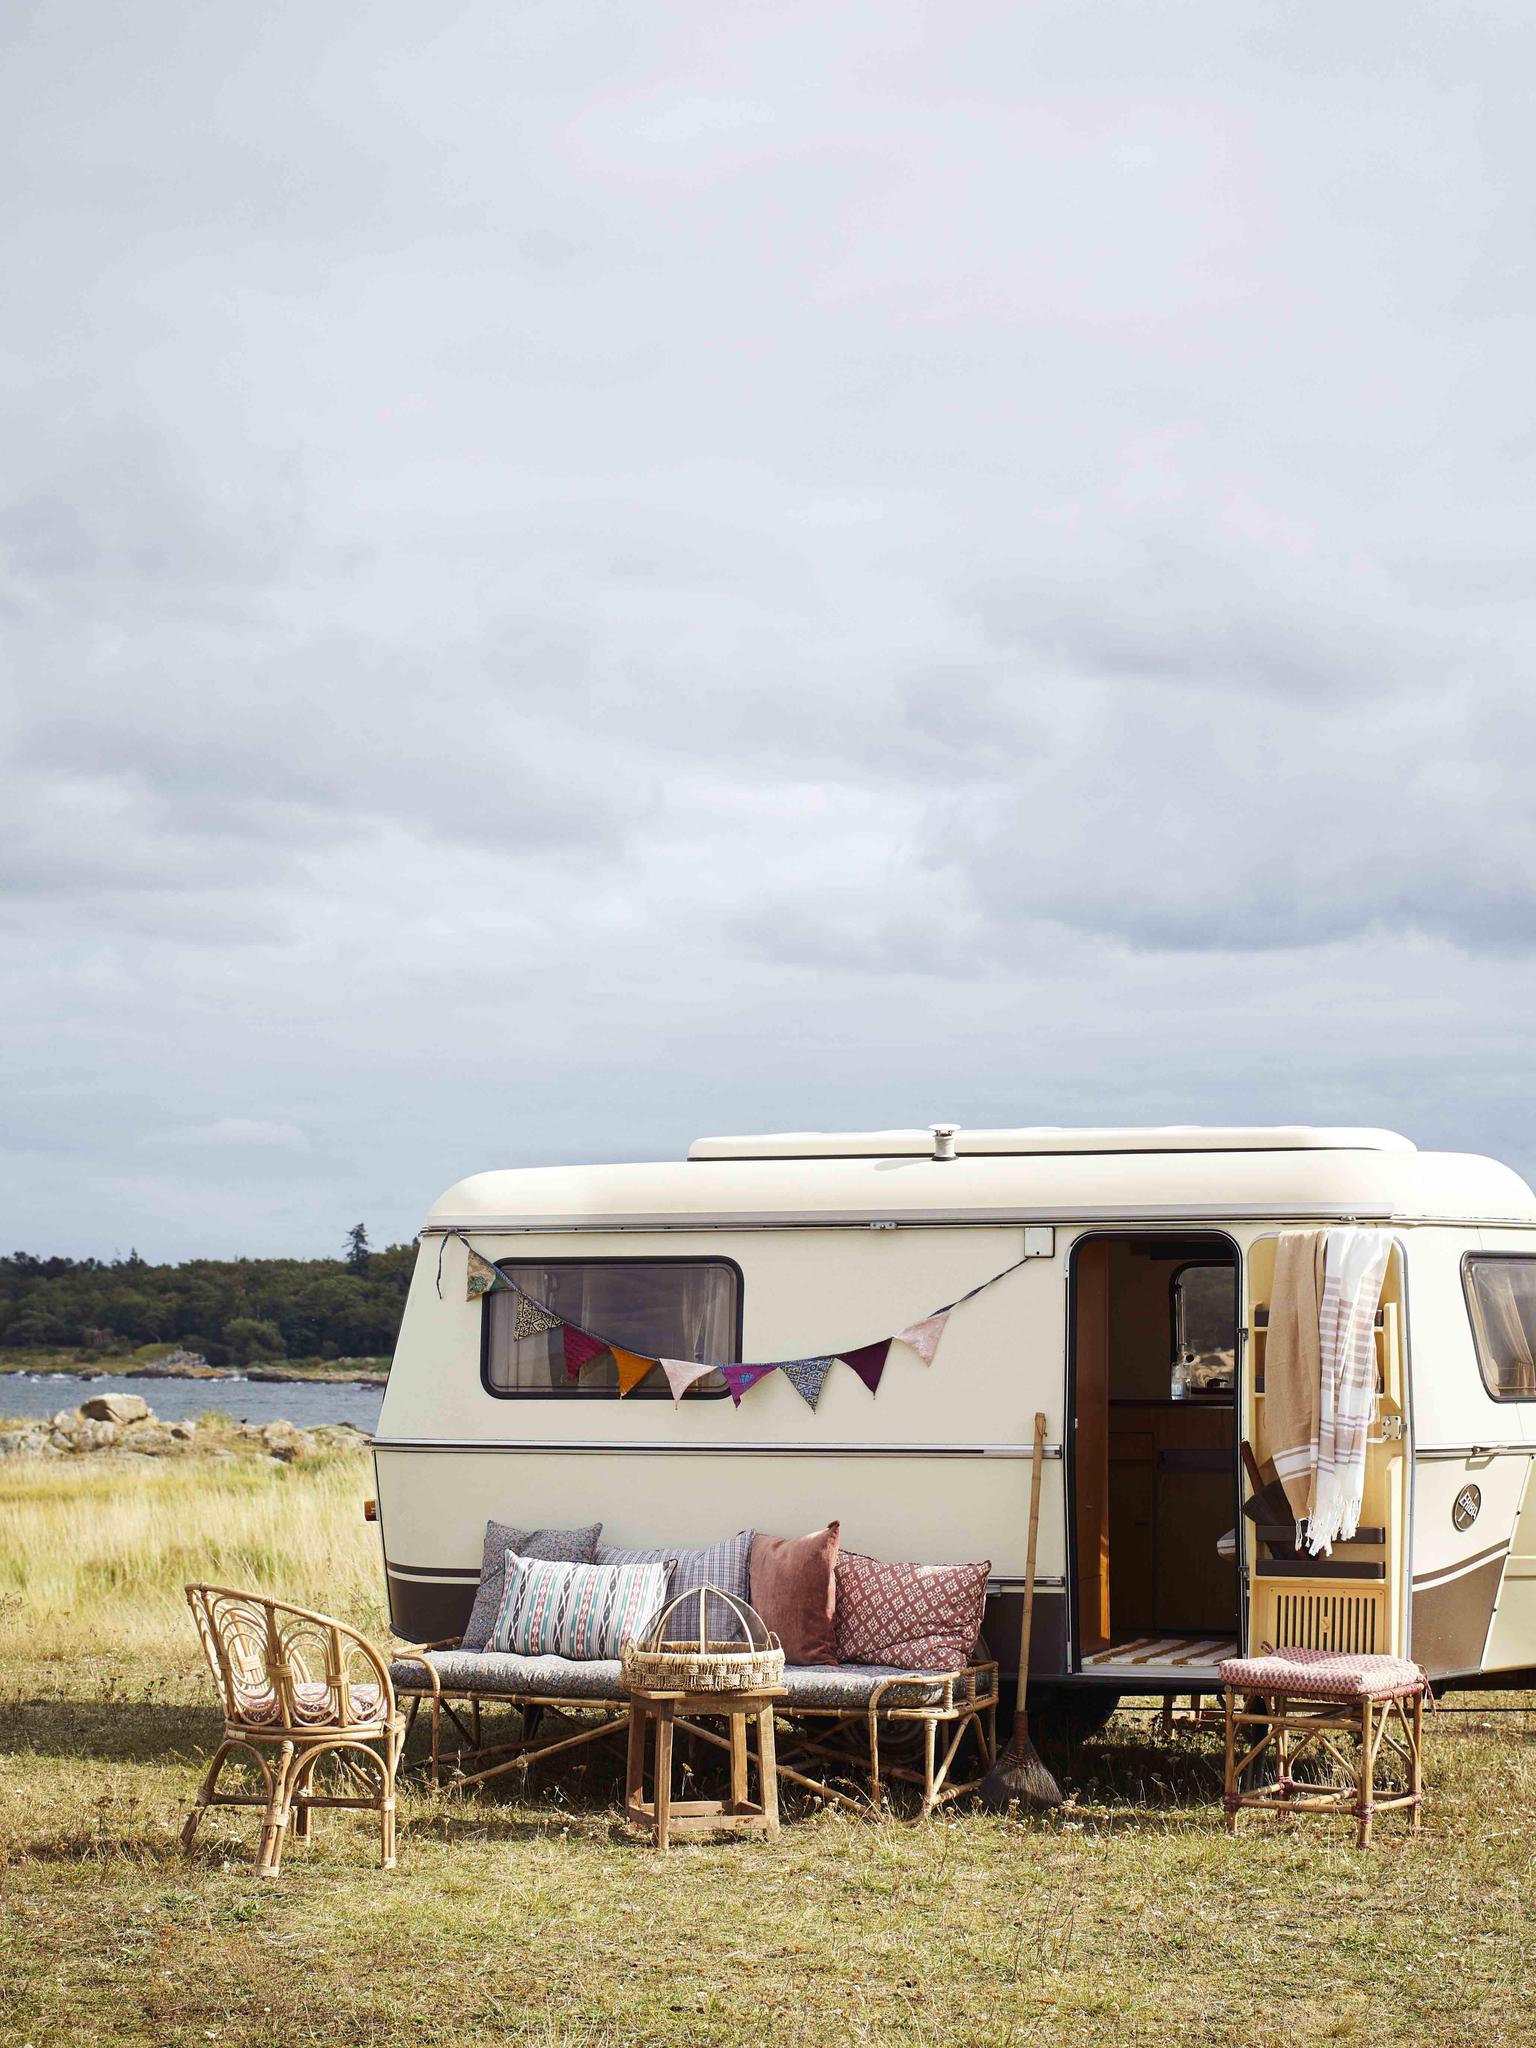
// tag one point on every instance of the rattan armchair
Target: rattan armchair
(296, 1687)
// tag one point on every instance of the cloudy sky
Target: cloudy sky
(575, 575)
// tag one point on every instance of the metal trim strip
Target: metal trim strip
(947, 1219)
(1474, 1450)
(546, 1445)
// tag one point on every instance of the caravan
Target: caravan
(1130, 1275)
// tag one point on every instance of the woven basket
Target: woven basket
(751, 1663)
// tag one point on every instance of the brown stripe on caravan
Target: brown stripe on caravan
(1451, 1618)
(426, 1610)
(1442, 1572)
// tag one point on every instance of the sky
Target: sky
(573, 576)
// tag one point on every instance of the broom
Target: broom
(1017, 1776)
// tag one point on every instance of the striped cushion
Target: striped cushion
(580, 1611)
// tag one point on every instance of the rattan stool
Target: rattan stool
(1309, 1699)
(663, 1816)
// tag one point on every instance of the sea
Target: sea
(302, 1402)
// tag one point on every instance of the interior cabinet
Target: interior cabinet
(1172, 1498)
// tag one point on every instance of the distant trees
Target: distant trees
(231, 1310)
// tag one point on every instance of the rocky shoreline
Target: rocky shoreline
(124, 1425)
(191, 1365)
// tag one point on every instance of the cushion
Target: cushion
(793, 1583)
(726, 1564)
(1324, 1675)
(924, 1617)
(314, 1704)
(492, 1674)
(570, 1546)
(579, 1611)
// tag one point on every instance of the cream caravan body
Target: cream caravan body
(789, 1246)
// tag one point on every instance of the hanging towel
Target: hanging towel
(1355, 1265)
(1293, 1365)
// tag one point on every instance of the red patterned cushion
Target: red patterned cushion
(1324, 1675)
(922, 1617)
(314, 1704)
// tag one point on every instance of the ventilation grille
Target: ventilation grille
(1323, 1621)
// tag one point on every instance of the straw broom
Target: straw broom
(1017, 1776)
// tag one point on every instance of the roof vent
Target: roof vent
(944, 1140)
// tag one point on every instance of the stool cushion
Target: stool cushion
(1324, 1675)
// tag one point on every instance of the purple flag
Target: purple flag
(868, 1361)
(739, 1377)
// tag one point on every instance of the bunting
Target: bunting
(807, 1376)
(923, 1337)
(868, 1361)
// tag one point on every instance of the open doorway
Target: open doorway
(1155, 1488)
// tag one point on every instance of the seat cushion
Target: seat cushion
(920, 1617)
(1324, 1675)
(497, 1674)
(565, 1546)
(853, 1686)
(312, 1705)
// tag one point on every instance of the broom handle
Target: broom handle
(1020, 1721)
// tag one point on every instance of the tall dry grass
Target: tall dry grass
(94, 1554)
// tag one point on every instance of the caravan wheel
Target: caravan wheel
(1069, 1713)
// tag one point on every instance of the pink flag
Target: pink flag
(579, 1347)
(868, 1361)
(681, 1374)
(923, 1337)
(739, 1377)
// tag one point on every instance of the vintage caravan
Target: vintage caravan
(1124, 1280)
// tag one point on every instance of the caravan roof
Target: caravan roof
(1046, 1176)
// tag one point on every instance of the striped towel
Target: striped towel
(1354, 1267)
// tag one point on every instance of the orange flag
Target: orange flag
(632, 1369)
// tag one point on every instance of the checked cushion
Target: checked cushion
(922, 1617)
(1324, 1675)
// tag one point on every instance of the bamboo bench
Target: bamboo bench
(836, 1714)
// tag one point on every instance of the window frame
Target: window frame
(576, 1392)
(1469, 1259)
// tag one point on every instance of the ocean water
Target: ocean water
(296, 1401)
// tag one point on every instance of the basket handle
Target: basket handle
(656, 1626)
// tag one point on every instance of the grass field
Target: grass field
(1130, 1917)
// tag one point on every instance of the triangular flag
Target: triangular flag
(632, 1368)
(531, 1320)
(681, 1374)
(481, 1277)
(739, 1377)
(868, 1361)
(923, 1337)
(807, 1376)
(579, 1347)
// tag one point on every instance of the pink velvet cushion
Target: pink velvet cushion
(1324, 1675)
(923, 1617)
(794, 1588)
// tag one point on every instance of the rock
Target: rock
(115, 1408)
(22, 1443)
(96, 1436)
(65, 1419)
(183, 1432)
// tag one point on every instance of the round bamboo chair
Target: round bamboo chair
(296, 1687)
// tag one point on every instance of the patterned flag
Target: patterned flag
(681, 1374)
(807, 1376)
(632, 1369)
(923, 1337)
(481, 1277)
(868, 1361)
(531, 1319)
(579, 1347)
(739, 1377)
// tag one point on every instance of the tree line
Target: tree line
(233, 1311)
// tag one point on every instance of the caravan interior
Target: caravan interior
(1154, 1345)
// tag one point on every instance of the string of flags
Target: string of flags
(807, 1376)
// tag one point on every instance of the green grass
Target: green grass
(1128, 1918)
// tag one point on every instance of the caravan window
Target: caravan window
(1501, 1298)
(665, 1308)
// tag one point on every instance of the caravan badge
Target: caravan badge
(1464, 1509)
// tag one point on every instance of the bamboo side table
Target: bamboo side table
(664, 1712)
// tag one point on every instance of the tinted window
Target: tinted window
(1501, 1298)
(664, 1308)
(1205, 1328)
